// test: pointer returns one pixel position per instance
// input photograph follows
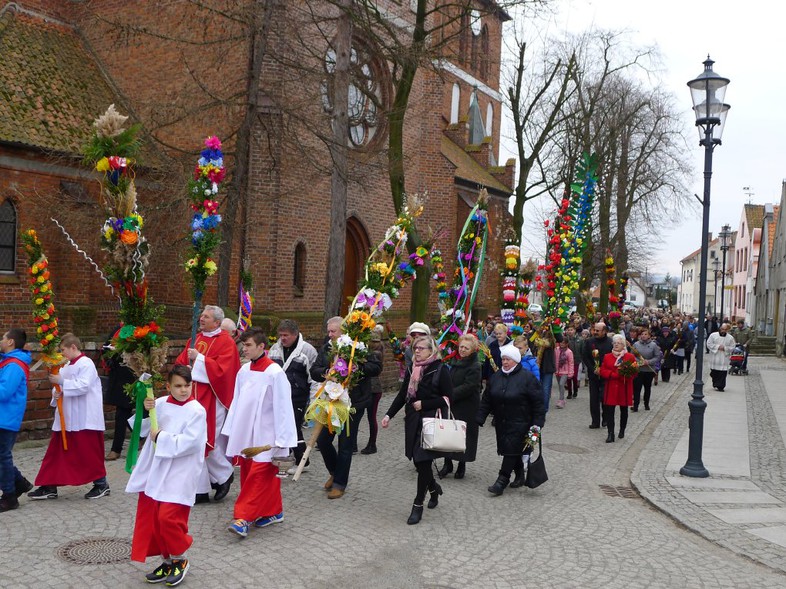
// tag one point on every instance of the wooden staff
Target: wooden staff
(312, 441)
(61, 415)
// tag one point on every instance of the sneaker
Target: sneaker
(43, 493)
(97, 492)
(160, 574)
(293, 469)
(239, 527)
(263, 522)
(178, 573)
(22, 486)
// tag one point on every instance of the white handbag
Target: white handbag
(444, 435)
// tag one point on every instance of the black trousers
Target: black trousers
(122, 415)
(511, 464)
(595, 398)
(642, 380)
(608, 410)
(426, 480)
(665, 373)
(719, 378)
(300, 413)
(687, 360)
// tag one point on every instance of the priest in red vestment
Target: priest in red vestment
(214, 364)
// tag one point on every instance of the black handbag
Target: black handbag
(536, 473)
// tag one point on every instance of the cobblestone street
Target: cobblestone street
(577, 530)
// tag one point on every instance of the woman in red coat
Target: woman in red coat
(618, 388)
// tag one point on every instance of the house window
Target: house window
(299, 273)
(7, 237)
(489, 119)
(455, 104)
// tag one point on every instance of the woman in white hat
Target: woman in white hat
(515, 399)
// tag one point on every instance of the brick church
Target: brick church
(181, 69)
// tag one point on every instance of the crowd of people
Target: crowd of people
(233, 402)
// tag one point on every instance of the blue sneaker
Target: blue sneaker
(240, 527)
(263, 522)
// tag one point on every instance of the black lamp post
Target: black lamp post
(725, 238)
(707, 93)
(715, 270)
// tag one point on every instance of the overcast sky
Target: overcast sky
(748, 45)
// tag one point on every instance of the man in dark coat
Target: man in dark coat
(515, 398)
(594, 350)
(339, 463)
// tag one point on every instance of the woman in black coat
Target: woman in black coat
(117, 377)
(422, 393)
(465, 374)
(514, 397)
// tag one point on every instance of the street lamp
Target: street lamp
(715, 270)
(707, 92)
(725, 238)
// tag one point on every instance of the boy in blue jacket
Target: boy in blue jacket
(528, 361)
(14, 374)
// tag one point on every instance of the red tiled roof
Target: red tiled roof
(772, 228)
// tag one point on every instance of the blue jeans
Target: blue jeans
(546, 381)
(339, 463)
(9, 474)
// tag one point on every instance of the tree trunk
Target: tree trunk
(420, 286)
(334, 283)
(238, 188)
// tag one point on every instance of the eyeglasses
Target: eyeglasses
(420, 348)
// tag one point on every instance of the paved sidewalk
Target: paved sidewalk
(742, 505)
(584, 529)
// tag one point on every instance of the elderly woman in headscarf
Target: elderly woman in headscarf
(514, 397)
(425, 389)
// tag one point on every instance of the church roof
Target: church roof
(51, 89)
(468, 169)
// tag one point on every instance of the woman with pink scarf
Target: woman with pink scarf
(424, 390)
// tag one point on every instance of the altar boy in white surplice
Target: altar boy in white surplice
(166, 478)
(260, 415)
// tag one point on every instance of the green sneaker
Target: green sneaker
(178, 573)
(160, 574)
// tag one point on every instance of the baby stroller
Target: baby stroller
(737, 360)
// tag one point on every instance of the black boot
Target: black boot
(435, 491)
(499, 486)
(417, 513)
(519, 480)
(610, 438)
(369, 449)
(22, 486)
(622, 434)
(447, 468)
(460, 470)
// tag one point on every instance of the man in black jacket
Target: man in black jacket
(296, 356)
(594, 350)
(339, 463)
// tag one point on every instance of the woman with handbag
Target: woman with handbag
(515, 398)
(465, 374)
(424, 390)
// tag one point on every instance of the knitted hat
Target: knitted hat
(512, 352)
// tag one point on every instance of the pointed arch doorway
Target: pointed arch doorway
(357, 249)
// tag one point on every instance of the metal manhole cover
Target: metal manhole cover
(95, 551)
(566, 448)
(624, 492)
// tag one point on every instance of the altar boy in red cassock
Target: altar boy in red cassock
(83, 410)
(166, 478)
(261, 414)
(215, 364)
